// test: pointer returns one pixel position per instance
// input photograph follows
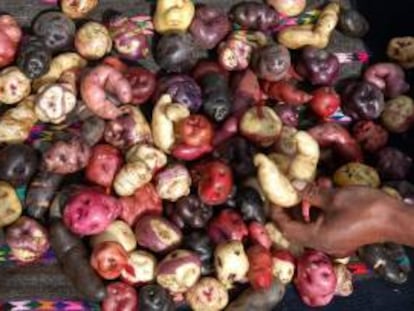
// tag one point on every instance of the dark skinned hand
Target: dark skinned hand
(350, 217)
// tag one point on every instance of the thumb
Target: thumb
(292, 230)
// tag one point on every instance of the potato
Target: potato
(120, 296)
(169, 16)
(316, 279)
(392, 164)
(155, 298)
(263, 300)
(131, 177)
(356, 174)
(16, 123)
(280, 242)
(28, 240)
(286, 142)
(173, 182)
(261, 125)
(344, 285)
(79, 8)
(118, 231)
(164, 115)
(10, 206)
(231, 263)
(296, 37)
(154, 158)
(140, 268)
(157, 234)
(10, 35)
(59, 64)
(14, 85)
(276, 186)
(398, 114)
(283, 267)
(288, 7)
(179, 271)
(54, 102)
(207, 295)
(401, 50)
(72, 255)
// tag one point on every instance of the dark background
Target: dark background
(387, 19)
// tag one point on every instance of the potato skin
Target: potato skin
(10, 206)
(10, 35)
(356, 174)
(398, 114)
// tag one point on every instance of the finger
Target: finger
(317, 196)
(293, 230)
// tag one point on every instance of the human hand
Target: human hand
(350, 217)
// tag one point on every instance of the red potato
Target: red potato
(260, 267)
(229, 129)
(190, 153)
(143, 83)
(227, 226)
(157, 234)
(145, 200)
(10, 35)
(388, 77)
(245, 90)
(179, 271)
(121, 297)
(216, 183)
(316, 279)
(325, 102)
(90, 212)
(196, 130)
(109, 259)
(259, 235)
(103, 165)
(27, 239)
(332, 135)
(101, 82)
(287, 92)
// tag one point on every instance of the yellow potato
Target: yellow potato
(118, 231)
(280, 242)
(356, 174)
(16, 123)
(10, 206)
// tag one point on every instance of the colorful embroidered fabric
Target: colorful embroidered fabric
(48, 305)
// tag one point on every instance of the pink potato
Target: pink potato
(121, 297)
(10, 35)
(103, 165)
(90, 212)
(316, 279)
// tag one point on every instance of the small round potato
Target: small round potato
(140, 268)
(131, 177)
(398, 114)
(356, 174)
(10, 206)
(118, 231)
(231, 263)
(154, 158)
(207, 295)
(93, 41)
(14, 85)
(78, 8)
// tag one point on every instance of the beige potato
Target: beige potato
(131, 177)
(276, 186)
(141, 268)
(78, 8)
(58, 65)
(164, 115)
(280, 242)
(318, 35)
(303, 166)
(10, 206)
(356, 174)
(118, 231)
(16, 123)
(14, 86)
(231, 263)
(154, 158)
(344, 285)
(93, 41)
(207, 295)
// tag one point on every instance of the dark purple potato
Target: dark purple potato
(33, 58)
(209, 26)
(93, 130)
(183, 89)
(254, 16)
(352, 23)
(238, 152)
(56, 30)
(176, 52)
(200, 242)
(251, 205)
(216, 96)
(319, 66)
(271, 63)
(393, 164)
(18, 164)
(190, 211)
(362, 100)
(155, 298)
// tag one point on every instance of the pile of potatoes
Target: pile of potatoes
(154, 189)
